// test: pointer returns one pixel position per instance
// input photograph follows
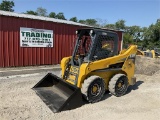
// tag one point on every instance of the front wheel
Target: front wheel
(93, 89)
(118, 85)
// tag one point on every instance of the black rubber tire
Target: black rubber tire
(87, 88)
(113, 85)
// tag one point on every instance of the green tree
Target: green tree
(74, 19)
(133, 29)
(82, 21)
(120, 24)
(110, 26)
(100, 22)
(127, 40)
(156, 31)
(7, 5)
(152, 35)
(91, 22)
(136, 32)
(31, 12)
(52, 15)
(60, 16)
(41, 11)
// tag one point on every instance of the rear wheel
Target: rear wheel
(118, 85)
(93, 89)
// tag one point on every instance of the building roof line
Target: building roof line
(22, 15)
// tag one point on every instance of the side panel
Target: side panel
(128, 66)
(106, 75)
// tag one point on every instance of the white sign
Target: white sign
(31, 37)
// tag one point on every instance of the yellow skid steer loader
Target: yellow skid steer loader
(94, 67)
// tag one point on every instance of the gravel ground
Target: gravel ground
(147, 66)
(142, 101)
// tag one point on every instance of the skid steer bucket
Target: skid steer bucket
(58, 94)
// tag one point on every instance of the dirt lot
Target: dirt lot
(142, 101)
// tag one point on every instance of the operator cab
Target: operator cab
(94, 44)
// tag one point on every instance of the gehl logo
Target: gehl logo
(132, 57)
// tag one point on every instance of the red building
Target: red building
(13, 53)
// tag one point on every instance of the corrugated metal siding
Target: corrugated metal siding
(11, 54)
(1, 42)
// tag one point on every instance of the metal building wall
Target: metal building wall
(11, 54)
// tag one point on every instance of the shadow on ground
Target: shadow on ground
(130, 89)
(106, 95)
(134, 87)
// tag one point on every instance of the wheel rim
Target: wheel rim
(95, 89)
(121, 86)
